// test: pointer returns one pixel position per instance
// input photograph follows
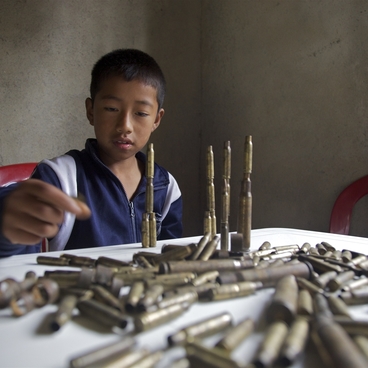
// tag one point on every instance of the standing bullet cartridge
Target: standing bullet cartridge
(284, 302)
(225, 203)
(201, 329)
(149, 235)
(245, 198)
(236, 335)
(211, 226)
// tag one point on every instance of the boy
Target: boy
(127, 92)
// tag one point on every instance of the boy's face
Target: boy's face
(124, 114)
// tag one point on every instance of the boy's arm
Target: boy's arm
(6, 247)
(32, 210)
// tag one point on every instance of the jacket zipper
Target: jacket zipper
(132, 218)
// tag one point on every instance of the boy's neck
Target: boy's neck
(130, 173)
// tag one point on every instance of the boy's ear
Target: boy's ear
(89, 110)
(157, 122)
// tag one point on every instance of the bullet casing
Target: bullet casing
(150, 297)
(324, 278)
(271, 345)
(201, 244)
(337, 282)
(204, 266)
(102, 354)
(268, 276)
(229, 291)
(340, 347)
(236, 335)
(209, 249)
(295, 341)
(188, 297)
(201, 329)
(338, 306)
(102, 313)
(53, 261)
(64, 312)
(284, 301)
(201, 356)
(149, 320)
(305, 303)
(134, 295)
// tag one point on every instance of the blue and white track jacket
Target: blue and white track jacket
(115, 219)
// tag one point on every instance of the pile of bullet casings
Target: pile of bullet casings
(313, 287)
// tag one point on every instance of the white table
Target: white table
(25, 342)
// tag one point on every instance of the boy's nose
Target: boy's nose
(124, 125)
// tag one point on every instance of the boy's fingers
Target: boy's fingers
(55, 197)
(85, 211)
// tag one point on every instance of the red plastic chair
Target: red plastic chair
(18, 172)
(344, 204)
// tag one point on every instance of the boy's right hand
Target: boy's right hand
(35, 209)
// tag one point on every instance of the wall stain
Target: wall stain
(325, 48)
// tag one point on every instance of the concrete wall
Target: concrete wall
(293, 74)
(48, 48)
(290, 73)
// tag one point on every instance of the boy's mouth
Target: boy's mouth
(124, 143)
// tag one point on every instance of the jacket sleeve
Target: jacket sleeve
(171, 225)
(6, 247)
(42, 172)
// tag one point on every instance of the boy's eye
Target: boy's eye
(143, 114)
(111, 109)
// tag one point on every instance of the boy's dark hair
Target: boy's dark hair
(130, 64)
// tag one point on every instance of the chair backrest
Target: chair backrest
(16, 172)
(344, 204)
